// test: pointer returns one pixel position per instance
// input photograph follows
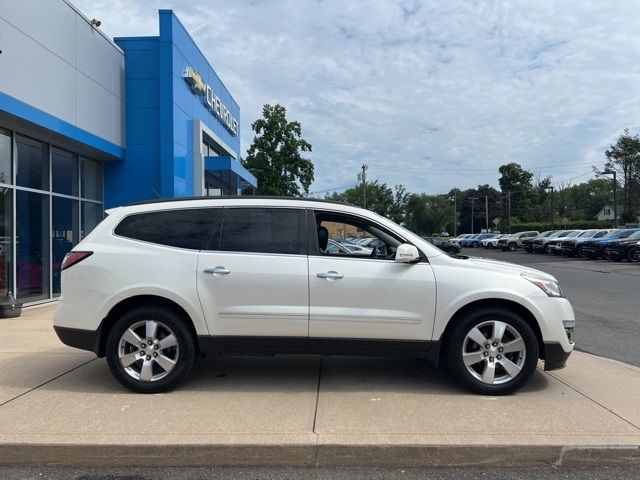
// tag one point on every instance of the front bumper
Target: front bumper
(555, 357)
(613, 254)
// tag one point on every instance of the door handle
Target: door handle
(330, 275)
(217, 271)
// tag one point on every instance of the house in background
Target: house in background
(606, 214)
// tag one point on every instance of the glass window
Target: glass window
(372, 240)
(91, 175)
(91, 217)
(6, 240)
(64, 172)
(64, 234)
(5, 156)
(263, 230)
(33, 163)
(185, 228)
(32, 246)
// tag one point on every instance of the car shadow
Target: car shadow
(284, 373)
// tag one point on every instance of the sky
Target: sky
(429, 94)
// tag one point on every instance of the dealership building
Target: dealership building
(88, 123)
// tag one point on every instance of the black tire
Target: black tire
(475, 245)
(633, 254)
(513, 246)
(456, 341)
(185, 352)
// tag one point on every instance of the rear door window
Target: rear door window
(263, 230)
(183, 228)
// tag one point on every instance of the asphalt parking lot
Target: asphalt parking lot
(605, 296)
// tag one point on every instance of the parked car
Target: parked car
(155, 284)
(553, 245)
(514, 241)
(358, 249)
(527, 243)
(538, 245)
(594, 248)
(569, 245)
(338, 248)
(474, 241)
(492, 242)
(623, 248)
(460, 237)
(444, 245)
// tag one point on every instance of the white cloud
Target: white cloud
(431, 94)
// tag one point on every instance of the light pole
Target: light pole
(615, 196)
(455, 214)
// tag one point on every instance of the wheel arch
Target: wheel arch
(136, 301)
(515, 307)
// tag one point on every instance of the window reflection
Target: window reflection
(32, 246)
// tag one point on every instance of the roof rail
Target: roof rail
(238, 197)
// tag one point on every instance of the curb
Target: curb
(22, 455)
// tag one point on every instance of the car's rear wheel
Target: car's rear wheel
(150, 349)
(633, 254)
(513, 246)
(492, 351)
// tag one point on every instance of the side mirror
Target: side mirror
(407, 254)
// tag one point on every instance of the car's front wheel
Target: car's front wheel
(513, 246)
(633, 254)
(492, 351)
(150, 349)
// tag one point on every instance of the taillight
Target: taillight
(71, 258)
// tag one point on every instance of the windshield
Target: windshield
(587, 234)
(575, 233)
(625, 233)
(631, 235)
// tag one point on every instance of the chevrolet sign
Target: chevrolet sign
(211, 100)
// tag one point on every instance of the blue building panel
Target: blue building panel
(160, 110)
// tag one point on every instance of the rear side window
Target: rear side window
(184, 228)
(264, 230)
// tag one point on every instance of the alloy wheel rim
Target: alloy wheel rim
(494, 352)
(148, 350)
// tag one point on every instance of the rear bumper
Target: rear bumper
(555, 357)
(77, 338)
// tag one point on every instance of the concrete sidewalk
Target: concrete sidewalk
(60, 406)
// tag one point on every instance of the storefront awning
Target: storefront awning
(230, 172)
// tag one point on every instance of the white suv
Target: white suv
(157, 283)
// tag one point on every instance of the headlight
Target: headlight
(550, 287)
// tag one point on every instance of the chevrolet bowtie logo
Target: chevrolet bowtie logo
(194, 80)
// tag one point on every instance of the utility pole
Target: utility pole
(363, 177)
(615, 197)
(455, 214)
(473, 201)
(486, 212)
(509, 210)
(552, 226)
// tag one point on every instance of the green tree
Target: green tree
(275, 155)
(624, 159)
(517, 181)
(429, 214)
(380, 199)
(398, 210)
